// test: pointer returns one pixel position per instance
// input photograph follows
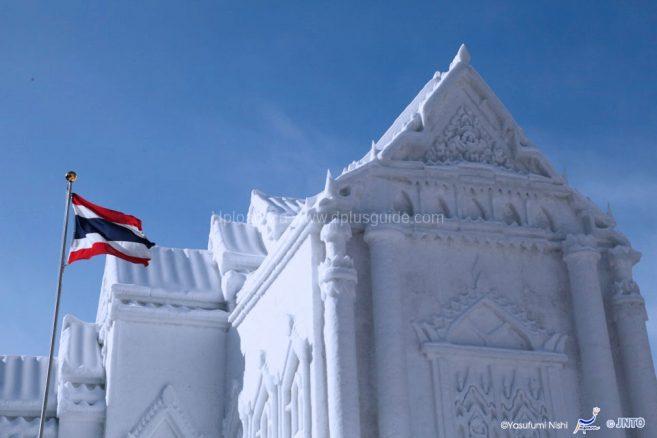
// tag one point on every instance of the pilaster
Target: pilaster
(337, 278)
(629, 312)
(389, 343)
(599, 383)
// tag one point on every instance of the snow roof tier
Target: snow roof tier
(178, 286)
(456, 120)
(272, 214)
(236, 246)
(179, 274)
(261, 204)
(81, 378)
(21, 389)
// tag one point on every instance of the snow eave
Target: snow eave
(209, 299)
(170, 315)
(28, 409)
(238, 261)
(455, 170)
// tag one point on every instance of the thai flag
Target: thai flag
(99, 230)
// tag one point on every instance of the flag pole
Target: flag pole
(70, 178)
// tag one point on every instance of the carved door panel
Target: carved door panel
(475, 390)
(490, 364)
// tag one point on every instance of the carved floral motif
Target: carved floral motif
(486, 396)
(626, 287)
(336, 272)
(464, 139)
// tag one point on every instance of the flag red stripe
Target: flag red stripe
(99, 248)
(106, 213)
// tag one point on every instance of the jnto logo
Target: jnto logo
(586, 425)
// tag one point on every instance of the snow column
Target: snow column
(337, 278)
(630, 317)
(390, 347)
(600, 387)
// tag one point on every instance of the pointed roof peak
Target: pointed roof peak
(462, 57)
(432, 128)
(373, 151)
(329, 185)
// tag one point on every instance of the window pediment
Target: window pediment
(487, 320)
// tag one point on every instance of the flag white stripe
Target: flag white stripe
(134, 249)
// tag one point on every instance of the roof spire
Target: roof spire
(462, 57)
(373, 151)
(609, 212)
(327, 199)
(329, 186)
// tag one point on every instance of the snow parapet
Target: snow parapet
(22, 379)
(81, 375)
(79, 352)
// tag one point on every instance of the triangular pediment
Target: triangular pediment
(457, 119)
(487, 320)
(165, 419)
(488, 325)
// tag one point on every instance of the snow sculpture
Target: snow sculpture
(502, 295)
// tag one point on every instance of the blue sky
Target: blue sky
(170, 110)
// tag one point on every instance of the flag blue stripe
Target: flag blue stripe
(109, 230)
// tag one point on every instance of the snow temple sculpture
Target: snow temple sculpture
(447, 281)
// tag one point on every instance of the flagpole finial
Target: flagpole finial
(71, 176)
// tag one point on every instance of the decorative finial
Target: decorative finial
(462, 57)
(329, 186)
(71, 176)
(373, 151)
(327, 198)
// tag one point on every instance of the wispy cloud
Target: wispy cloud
(293, 154)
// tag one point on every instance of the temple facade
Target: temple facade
(447, 282)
